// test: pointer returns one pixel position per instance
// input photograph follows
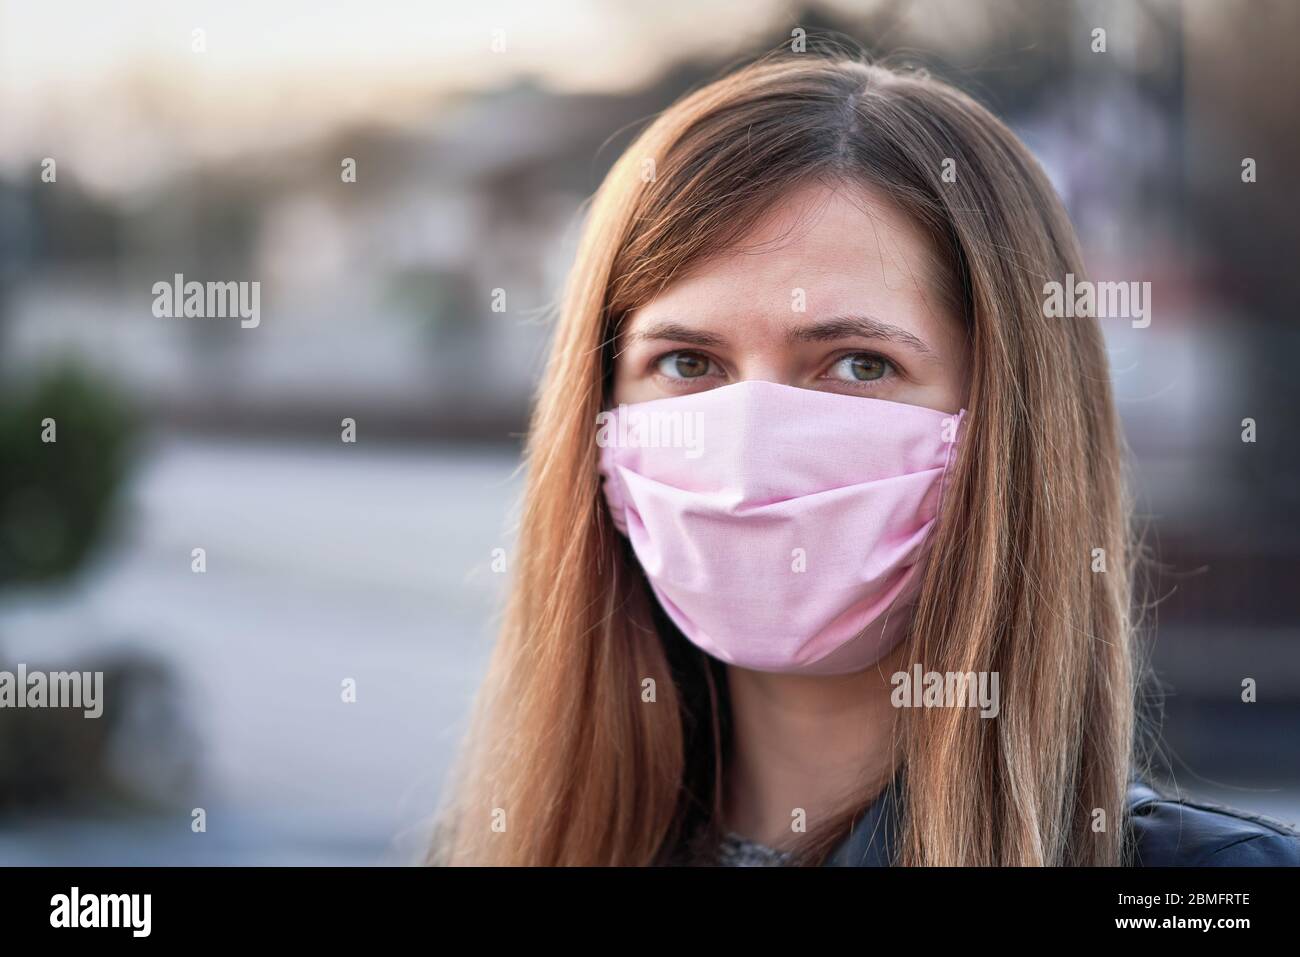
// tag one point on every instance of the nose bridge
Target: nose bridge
(767, 356)
(766, 372)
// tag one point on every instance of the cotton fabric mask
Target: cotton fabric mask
(779, 526)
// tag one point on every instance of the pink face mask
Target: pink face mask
(779, 527)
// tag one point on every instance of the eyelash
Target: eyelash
(891, 368)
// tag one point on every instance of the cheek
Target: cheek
(627, 387)
(618, 394)
(950, 380)
(956, 381)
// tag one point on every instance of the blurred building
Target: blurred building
(377, 304)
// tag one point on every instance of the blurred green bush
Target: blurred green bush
(57, 497)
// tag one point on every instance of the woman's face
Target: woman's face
(834, 289)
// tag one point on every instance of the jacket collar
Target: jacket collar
(872, 841)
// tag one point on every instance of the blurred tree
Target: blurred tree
(56, 496)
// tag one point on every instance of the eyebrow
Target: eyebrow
(868, 327)
(836, 327)
(676, 332)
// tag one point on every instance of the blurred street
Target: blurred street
(323, 563)
(405, 184)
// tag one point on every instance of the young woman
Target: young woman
(824, 554)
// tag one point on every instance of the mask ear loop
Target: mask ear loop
(947, 459)
(943, 488)
(612, 491)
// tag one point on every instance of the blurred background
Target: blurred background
(208, 139)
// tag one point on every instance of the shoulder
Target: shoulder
(1169, 831)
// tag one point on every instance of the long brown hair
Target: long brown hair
(600, 735)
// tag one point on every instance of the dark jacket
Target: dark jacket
(1163, 832)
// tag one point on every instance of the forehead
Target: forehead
(829, 249)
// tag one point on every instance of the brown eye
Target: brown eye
(684, 365)
(866, 368)
(861, 367)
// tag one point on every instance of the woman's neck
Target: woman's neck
(810, 743)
